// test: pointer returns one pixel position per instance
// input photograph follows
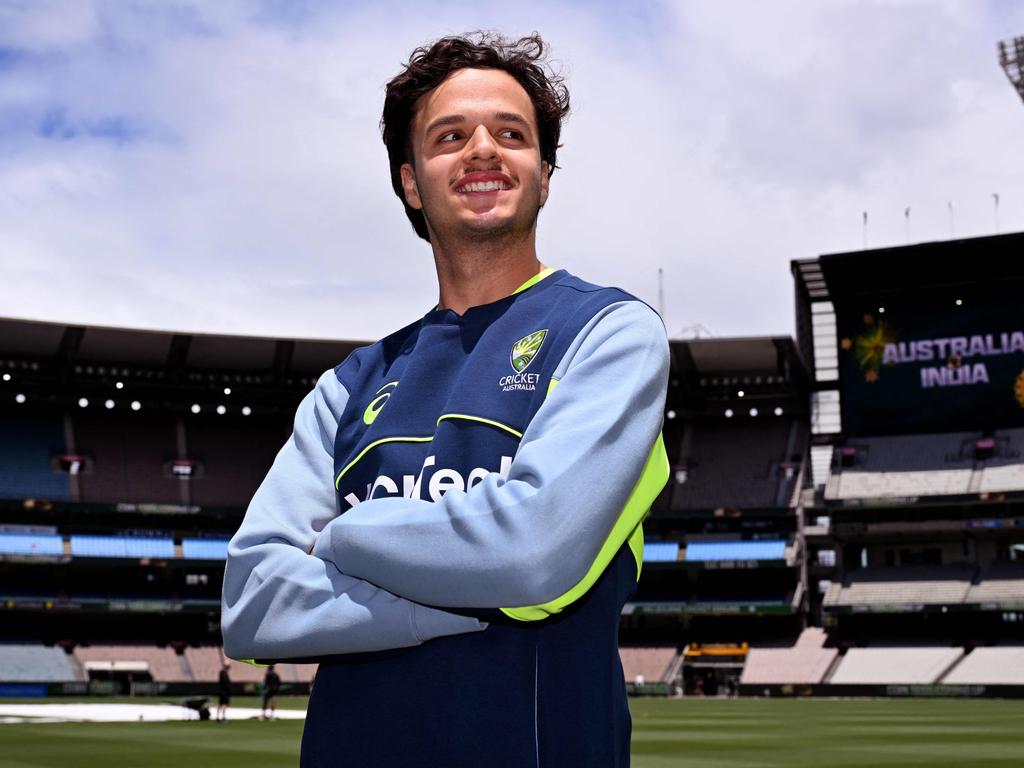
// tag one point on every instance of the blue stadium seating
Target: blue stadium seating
(120, 546)
(26, 443)
(149, 547)
(31, 544)
(736, 550)
(661, 551)
(22, 662)
(204, 549)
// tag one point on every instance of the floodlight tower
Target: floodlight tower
(1011, 59)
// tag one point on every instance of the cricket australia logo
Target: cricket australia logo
(522, 354)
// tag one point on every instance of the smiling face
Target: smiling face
(477, 171)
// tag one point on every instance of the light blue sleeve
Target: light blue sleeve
(279, 601)
(531, 538)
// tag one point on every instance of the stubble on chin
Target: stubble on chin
(485, 229)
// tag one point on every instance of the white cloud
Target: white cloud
(220, 168)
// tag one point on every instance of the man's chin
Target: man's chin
(492, 227)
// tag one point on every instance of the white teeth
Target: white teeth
(484, 186)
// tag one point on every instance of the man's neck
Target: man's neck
(475, 273)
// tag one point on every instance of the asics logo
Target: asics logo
(370, 414)
(441, 481)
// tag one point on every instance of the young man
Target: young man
(491, 463)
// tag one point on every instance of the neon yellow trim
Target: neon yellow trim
(252, 662)
(482, 420)
(636, 543)
(370, 414)
(652, 480)
(534, 280)
(374, 444)
(551, 385)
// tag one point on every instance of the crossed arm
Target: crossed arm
(585, 473)
(281, 602)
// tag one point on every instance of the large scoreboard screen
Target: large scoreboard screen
(931, 364)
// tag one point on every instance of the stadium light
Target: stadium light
(119, 384)
(246, 410)
(753, 411)
(19, 398)
(108, 404)
(728, 413)
(7, 377)
(83, 402)
(1011, 59)
(741, 393)
(196, 408)
(778, 410)
(959, 302)
(136, 405)
(221, 410)
(227, 390)
(881, 310)
(670, 415)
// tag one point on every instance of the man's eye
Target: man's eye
(450, 136)
(510, 133)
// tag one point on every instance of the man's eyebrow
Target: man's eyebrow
(512, 117)
(446, 120)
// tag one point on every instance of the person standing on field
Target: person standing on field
(271, 685)
(223, 693)
(456, 522)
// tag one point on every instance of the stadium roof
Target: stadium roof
(707, 373)
(911, 268)
(73, 344)
(758, 355)
(701, 368)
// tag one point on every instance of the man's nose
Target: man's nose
(481, 145)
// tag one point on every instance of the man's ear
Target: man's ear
(545, 178)
(412, 193)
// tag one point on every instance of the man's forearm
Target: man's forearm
(587, 467)
(281, 602)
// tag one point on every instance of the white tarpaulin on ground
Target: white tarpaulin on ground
(123, 713)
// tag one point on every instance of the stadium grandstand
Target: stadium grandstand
(844, 515)
(127, 459)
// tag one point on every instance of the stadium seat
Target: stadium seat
(165, 666)
(737, 465)
(206, 663)
(651, 662)
(806, 662)
(998, 665)
(735, 550)
(236, 460)
(42, 544)
(128, 458)
(204, 549)
(661, 551)
(1000, 582)
(121, 546)
(923, 585)
(894, 665)
(22, 662)
(27, 443)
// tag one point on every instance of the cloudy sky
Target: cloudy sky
(216, 166)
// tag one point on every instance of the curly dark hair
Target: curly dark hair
(428, 66)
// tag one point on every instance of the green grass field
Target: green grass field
(706, 733)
